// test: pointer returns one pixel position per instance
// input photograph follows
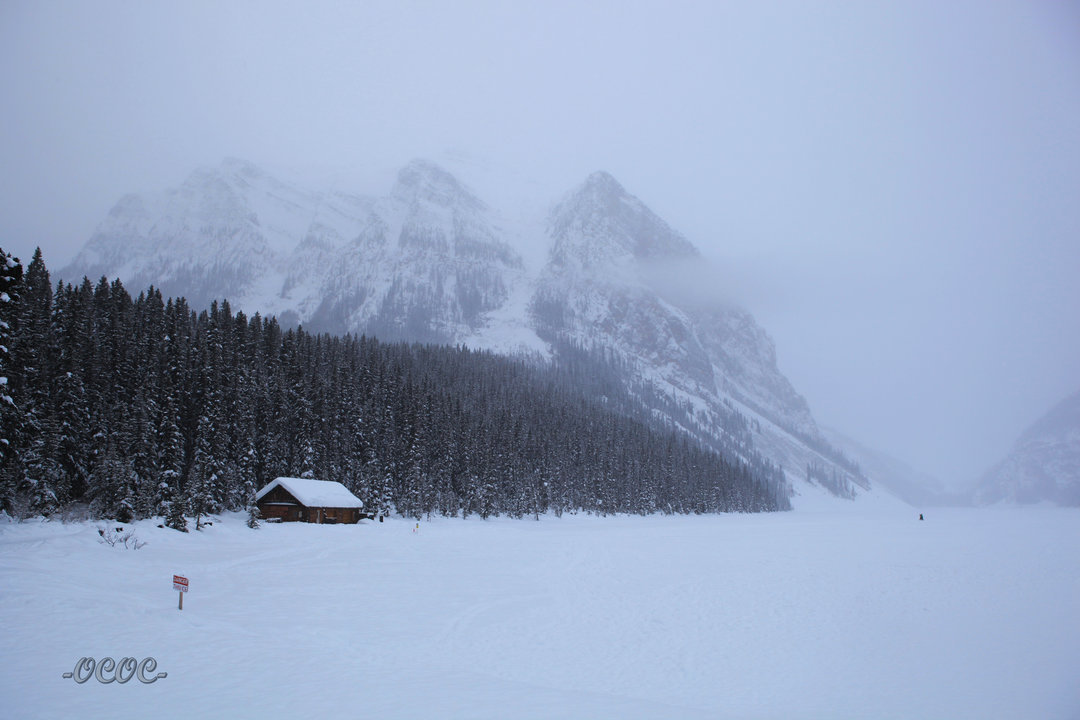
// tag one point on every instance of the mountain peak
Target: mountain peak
(424, 180)
(228, 168)
(602, 192)
(603, 181)
(600, 213)
(240, 166)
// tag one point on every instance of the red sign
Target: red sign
(179, 583)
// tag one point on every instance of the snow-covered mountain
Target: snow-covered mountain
(1044, 463)
(431, 261)
(423, 263)
(599, 287)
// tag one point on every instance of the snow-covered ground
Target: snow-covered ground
(833, 611)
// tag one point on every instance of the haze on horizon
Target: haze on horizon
(890, 189)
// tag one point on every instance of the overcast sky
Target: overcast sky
(892, 188)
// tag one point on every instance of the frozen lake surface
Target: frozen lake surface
(844, 610)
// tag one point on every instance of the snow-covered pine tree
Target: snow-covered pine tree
(248, 483)
(113, 486)
(198, 494)
(11, 273)
(175, 506)
(307, 461)
(253, 515)
(33, 352)
(199, 486)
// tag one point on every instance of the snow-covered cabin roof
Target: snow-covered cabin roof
(314, 493)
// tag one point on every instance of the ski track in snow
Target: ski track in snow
(836, 611)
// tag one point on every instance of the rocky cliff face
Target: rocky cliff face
(430, 261)
(1043, 465)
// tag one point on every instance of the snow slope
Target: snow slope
(827, 613)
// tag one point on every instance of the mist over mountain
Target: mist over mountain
(1043, 464)
(896, 476)
(432, 261)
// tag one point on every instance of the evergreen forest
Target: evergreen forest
(127, 408)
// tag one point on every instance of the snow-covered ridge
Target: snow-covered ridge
(1043, 465)
(433, 261)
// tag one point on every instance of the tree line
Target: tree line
(138, 407)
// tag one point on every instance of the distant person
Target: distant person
(920, 516)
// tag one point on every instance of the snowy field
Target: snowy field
(828, 612)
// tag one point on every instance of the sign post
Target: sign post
(179, 582)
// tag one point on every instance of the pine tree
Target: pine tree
(113, 486)
(253, 514)
(11, 272)
(175, 506)
(32, 352)
(200, 500)
(198, 494)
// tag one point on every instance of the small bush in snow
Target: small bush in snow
(114, 537)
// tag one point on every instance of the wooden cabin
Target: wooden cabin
(307, 500)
